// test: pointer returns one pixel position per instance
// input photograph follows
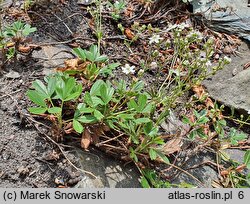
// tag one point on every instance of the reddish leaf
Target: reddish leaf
(129, 34)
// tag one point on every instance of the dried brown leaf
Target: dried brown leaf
(209, 103)
(240, 168)
(129, 34)
(24, 49)
(71, 63)
(173, 145)
(198, 90)
(224, 173)
(86, 139)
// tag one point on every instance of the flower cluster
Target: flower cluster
(127, 69)
(195, 35)
(155, 39)
(178, 26)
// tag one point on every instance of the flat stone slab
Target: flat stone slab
(110, 173)
(231, 86)
(53, 56)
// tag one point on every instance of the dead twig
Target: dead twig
(62, 151)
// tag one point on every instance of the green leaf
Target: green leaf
(133, 105)
(54, 110)
(148, 127)
(147, 109)
(95, 89)
(125, 116)
(37, 110)
(60, 86)
(77, 126)
(142, 120)
(36, 98)
(197, 115)
(90, 56)
(28, 30)
(144, 182)
(193, 134)
(41, 88)
(138, 86)
(51, 86)
(69, 86)
(247, 159)
(101, 58)
(133, 155)
(99, 116)
(202, 120)
(79, 52)
(152, 154)
(88, 99)
(235, 137)
(142, 100)
(159, 141)
(163, 157)
(109, 68)
(201, 133)
(82, 108)
(97, 101)
(222, 122)
(106, 93)
(74, 95)
(153, 132)
(87, 119)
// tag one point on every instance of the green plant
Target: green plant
(97, 17)
(125, 109)
(247, 159)
(15, 33)
(97, 64)
(236, 137)
(150, 179)
(93, 55)
(117, 8)
(197, 124)
(51, 97)
(27, 4)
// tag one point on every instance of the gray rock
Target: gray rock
(110, 172)
(84, 2)
(5, 3)
(236, 154)
(230, 88)
(233, 17)
(53, 56)
(173, 125)
(12, 75)
(204, 173)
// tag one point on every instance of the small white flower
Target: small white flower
(171, 27)
(227, 59)
(155, 39)
(195, 34)
(183, 25)
(208, 63)
(153, 65)
(179, 26)
(127, 69)
(248, 112)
